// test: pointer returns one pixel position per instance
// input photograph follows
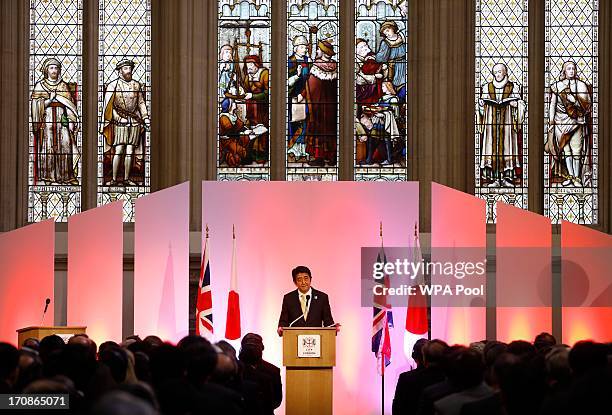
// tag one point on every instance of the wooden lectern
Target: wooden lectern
(309, 354)
(39, 332)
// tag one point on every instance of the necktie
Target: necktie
(303, 303)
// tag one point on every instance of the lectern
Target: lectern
(309, 355)
(39, 332)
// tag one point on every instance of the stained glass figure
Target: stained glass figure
(243, 90)
(571, 111)
(54, 165)
(380, 90)
(501, 101)
(124, 96)
(312, 90)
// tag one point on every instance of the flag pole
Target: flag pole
(382, 377)
(382, 401)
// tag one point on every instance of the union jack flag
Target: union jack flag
(204, 316)
(383, 319)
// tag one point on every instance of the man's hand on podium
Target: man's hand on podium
(338, 325)
(280, 332)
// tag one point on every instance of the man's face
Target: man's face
(251, 67)
(302, 281)
(53, 71)
(362, 49)
(126, 72)
(570, 71)
(499, 72)
(301, 50)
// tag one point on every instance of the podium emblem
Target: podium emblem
(309, 345)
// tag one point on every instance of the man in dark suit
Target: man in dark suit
(266, 375)
(304, 307)
(410, 385)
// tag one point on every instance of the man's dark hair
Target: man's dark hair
(50, 344)
(544, 340)
(300, 269)
(116, 359)
(417, 351)
(9, 358)
(200, 358)
(31, 343)
(250, 354)
(434, 352)
(587, 355)
(466, 368)
(521, 348)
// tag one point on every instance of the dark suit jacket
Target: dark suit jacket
(410, 385)
(319, 311)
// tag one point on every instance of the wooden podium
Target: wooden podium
(39, 332)
(309, 382)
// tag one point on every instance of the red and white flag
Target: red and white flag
(232, 324)
(416, 314)
(204, 315)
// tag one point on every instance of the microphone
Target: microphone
(303, 314)
(47, 302)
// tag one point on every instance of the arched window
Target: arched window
(55, 81)
(312, 90)
(124, 97)
(501, 100)
(571, 111)
(381, 69)
(243, 94)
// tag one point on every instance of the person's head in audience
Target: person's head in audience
(141, 366)
(49, 345)
(491, 352)
(30, 368)
(108, 345)
(521, 348)
(557, 365)
(116, 359)
(31, 343)
(77, 362)
(478, 346)
(417, 351)
(83, 339)
(153, 341)
(544, 341)
(167, 363)
(227, 348)
(587, 355)
(122, 403)
(200, 358)
(226, 369)
(9, 367)
(466, 368)
(251, 349)
(434, 352)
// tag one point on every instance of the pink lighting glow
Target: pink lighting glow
(322, 225)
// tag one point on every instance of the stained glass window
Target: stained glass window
(124, 96)
(243, 90)
(54, 165)
(380, 89)
(312, 90)
(501, 141)
(571, 111)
